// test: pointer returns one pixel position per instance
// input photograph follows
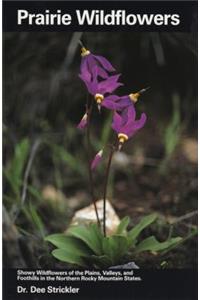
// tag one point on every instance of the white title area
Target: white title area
(95, 17)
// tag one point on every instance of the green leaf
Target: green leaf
(152, 244)
(102, 261)
(65, 256)
(14, 170)
(193, 232)
(95, 228)
(35, 193)
(73, 162)
(123, 225)
(37, 221)
(172, 132)
(115, 247)
(69, 243)
(144, 222)
(90, 235)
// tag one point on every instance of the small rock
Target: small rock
(50, 193)
(121, 159)
(128, 266)
(190, 149)
(87, 215)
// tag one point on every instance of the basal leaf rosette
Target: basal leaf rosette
(86, 246)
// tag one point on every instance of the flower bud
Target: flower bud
(83, 122)
(96, 160)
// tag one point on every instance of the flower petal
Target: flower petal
(95, 74)
(140, 123)
(114, 102)
(117, 120)
(125, 100)
(131, 128)
(113, 98)
(128, 115)
(84, 69)
(102, 73)
(123, 103)
(105, 63)
(109, 85)
(91, 86)
(131, 113)
(109, 104)
(92, 63)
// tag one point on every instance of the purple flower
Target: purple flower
(115, 102)
(99, 88)
(96, 160)
(118, 103)
(95, 86)
(89, 61)
(126, 125)
(83, 122)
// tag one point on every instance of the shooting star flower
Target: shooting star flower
(118, 103)
(126, 125)
(99, 88)
(89, 61)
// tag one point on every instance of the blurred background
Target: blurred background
(45, 168)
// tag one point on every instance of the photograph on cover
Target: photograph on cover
(100, 150)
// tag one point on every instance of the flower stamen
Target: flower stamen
(99, 98)
(84, 52)
(122, 138)
(134, 97)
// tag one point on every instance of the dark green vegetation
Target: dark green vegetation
(45, 169)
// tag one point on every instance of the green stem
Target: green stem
(91, 182)
(105, 188)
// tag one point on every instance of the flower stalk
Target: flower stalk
(101, 81)
(106, 186)
(89, 108)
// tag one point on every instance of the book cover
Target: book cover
(100, 150)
